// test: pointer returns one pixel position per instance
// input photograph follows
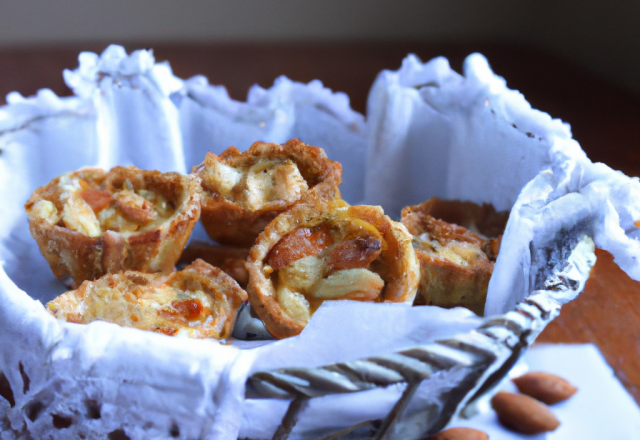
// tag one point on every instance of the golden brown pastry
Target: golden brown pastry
(245, 191)
(328, 250)
(456, 263)
(230, 259)
(91, 222)
(200, 301)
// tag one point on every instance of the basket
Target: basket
(358, 370)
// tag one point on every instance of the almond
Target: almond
(459, 434)
(545, 387)
(523, 414)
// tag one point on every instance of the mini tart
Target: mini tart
(456, 263)
(245, 191)
(200, 301)
(328, 250)
(90, 222)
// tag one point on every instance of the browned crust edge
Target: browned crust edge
(483, 217)
(228, 223)
(218, 281)
(401, 283)
(212, 280)
(88, 258)
(230, 259)
(464, 286)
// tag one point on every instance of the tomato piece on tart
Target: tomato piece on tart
(299, 243)
(327, 250)
(245, 191)
(200, 301)
(91, 222)
(456, 262)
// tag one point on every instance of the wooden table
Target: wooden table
(603, 118)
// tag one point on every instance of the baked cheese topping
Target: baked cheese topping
(47, 211)
(90, 209)
(442, 241)
(180, 304)
(255, 187)
(462, 253)
(334, 260)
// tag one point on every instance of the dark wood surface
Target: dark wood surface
(603, 118)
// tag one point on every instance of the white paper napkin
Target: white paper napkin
(601, 409)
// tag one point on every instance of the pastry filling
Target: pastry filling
(90, 209)
(257, 186)
(168, 309)
(445, 241)
(334, 260)
(462, 253)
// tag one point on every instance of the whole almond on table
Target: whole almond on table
(459, 434)
(523, 414)
(545, 387)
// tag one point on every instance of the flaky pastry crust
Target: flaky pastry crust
(200, 301)
(90, 222)
(245, 191)
(456, 264)
(230, 259)
(328, 250)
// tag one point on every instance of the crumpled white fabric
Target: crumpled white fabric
(436, 133)
(429, 132)
(136, 123)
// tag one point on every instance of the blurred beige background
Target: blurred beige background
(601, 36)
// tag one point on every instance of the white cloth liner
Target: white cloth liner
(430, 132)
